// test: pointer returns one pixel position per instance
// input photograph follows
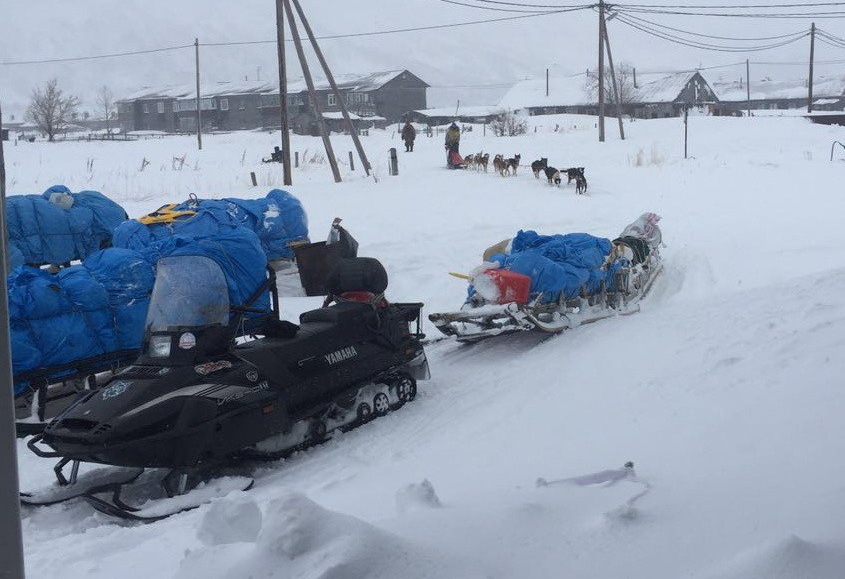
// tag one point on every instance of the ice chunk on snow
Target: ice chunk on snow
(231, 521)
(417, 495)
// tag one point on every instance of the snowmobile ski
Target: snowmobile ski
(158, 509)
(100, 480)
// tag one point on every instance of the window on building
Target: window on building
(332, 100)
(241, 104)
(224, 104)
(365, 97)
(160, 107)
(146, 108)
(175, 107)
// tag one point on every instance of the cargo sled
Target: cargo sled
(554, 283)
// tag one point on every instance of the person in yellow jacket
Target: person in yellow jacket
(453, 139)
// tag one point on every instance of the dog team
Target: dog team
(554, 176)
(508, 166)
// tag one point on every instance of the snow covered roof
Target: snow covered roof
(572, 91)
(531, 92)
(664, 89)
(355, 82)
(823, 86)
(473, 111)
(337, 115)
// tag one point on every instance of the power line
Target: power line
(731, 6)
(497, 9)
(96, 57)
(399, 30)
(649, 22)
(702, 45)
(763, 15)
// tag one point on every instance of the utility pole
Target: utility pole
(748, 85)
(810, 83)
(330, 77)
(283, 91)
(547, 81)
(199, 112)
(635, 78)
(686, 124)
(601, 71)
(312, 92)
(11, 540)
(615, 84)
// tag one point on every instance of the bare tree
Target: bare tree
(50, 109)
(105, 102)
(625, 78)
(508, 124)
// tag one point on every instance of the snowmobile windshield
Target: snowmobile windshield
(190, 291)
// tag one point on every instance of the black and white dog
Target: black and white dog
(553, 175)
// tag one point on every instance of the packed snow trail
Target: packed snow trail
(725, 389)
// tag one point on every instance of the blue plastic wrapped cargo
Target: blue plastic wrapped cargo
(278, 220)
(60, 226)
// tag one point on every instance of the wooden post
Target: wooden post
(296, 160)
(547, 81)
(393, 162)
(352, 162)
(11, 538)
(254, 180)
(330, 77)
(315, 102)
(199, 108)
(283, 92)
(748, 85)
(810, 80)
(686, 124)
(601, 71)
(615, 84)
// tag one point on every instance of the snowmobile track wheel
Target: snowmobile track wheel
(406, 388)
(381, 404)
(317, 430)
(364, 411)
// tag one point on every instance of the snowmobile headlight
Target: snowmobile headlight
(160, 346)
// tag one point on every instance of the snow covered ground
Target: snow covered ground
(725, 390)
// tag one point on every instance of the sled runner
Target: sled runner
(555, 283)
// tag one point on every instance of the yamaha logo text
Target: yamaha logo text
(340, 355)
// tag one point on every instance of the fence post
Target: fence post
(254, 180)
(394, 162)
(296, 159)
(351, 162)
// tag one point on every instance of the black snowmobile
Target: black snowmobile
(198, 399)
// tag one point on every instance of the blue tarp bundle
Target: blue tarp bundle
(560, 263)
(99, 307)
(277, 220)
(42, 231)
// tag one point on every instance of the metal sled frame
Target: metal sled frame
(477, 323)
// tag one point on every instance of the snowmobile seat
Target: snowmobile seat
(342, 314)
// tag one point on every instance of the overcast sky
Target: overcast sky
(474, 63)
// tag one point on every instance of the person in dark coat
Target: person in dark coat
(453, 140)
(409, 133)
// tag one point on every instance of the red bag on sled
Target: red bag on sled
(455, 159)
(511, 286)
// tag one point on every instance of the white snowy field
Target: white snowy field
(725, 390)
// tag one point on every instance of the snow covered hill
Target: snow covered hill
(725, 390)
